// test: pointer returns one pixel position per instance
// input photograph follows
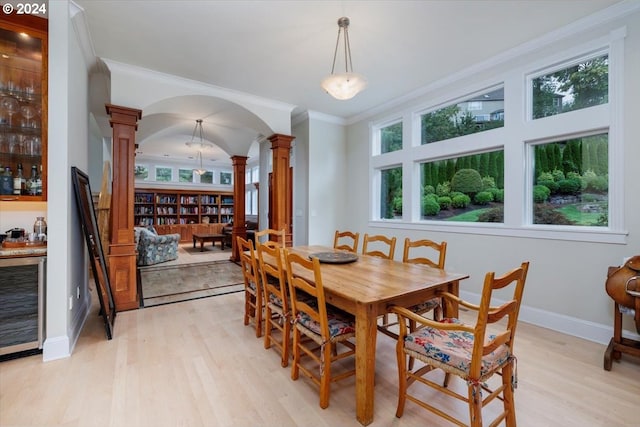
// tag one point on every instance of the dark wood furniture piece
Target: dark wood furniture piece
(366, 288)
(181, 207)
(24, 95)
(619, 344)
(213, 238)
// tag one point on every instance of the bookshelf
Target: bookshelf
(181, 207)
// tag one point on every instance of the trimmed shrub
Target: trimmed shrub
(545, 176)
(466, 181)
(541, 193)
(430, 206)
(444, 202)
(569, 186)
(492, 215)
(488, 182)
(558, 175)
(483, 198)
(498, 195)
(460, 201)
(428, 189)
(545, 214)
(443, 189)
(551, 185)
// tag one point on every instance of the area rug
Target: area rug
(170, 284)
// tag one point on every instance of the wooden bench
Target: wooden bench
(213, 238)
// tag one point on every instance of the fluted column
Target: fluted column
(281, 190)
(122, 248)
(239, 229)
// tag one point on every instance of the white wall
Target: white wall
(565, 287)
(327, 179)
(68, 139)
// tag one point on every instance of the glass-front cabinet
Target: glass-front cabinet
(23, 108)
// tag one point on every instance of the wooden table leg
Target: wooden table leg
(194, 243)
(366, 333)
(202, 245)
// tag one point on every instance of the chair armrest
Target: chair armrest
(458, 300)
(405, 314)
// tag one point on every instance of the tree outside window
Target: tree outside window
(164, 174)
(582, 85)
(391, 193)
(391, 138)
(206, 178)
(477, 114)
(185, 175)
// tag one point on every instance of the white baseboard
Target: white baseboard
(55, 348)
(573, 326)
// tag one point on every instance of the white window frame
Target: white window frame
(516, 139)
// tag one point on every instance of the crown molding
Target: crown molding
(616, 11)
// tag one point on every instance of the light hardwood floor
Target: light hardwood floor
(196, 364)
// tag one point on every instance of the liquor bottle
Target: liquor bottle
(17, 181)
(6, 181)
(32, 181)
(39, 183)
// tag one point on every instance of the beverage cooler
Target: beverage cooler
(22, 287)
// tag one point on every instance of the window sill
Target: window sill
(584, 234)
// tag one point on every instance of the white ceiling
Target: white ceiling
(282, 49)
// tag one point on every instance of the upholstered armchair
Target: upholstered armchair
(155, 248)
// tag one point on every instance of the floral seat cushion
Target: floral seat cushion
(341, 325)
(451, 350)
(426, 306)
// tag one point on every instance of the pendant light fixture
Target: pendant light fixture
(202, 145)
(345, 85)
(200, 171)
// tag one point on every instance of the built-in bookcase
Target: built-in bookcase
(161, 207)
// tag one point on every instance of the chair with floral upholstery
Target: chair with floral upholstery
(431, 254)
(277, 312)
(253, 293)
(325, 327)
(468, 351)
(154, 248)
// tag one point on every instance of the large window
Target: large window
(456, 164)
(391, 138)
(164, 174)
(185, 175)
(475, 114)
(572, 182)
(391, 193)
(574, 87)
(467, 188)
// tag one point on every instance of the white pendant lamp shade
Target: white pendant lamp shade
(345, 85)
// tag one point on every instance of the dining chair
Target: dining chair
(384, 247)
(273, 237)
(431, 254)
(468, 351)
(253, 298)
(277, 313)
(346, 241)
(326, 328)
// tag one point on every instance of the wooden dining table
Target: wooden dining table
(365, 288)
